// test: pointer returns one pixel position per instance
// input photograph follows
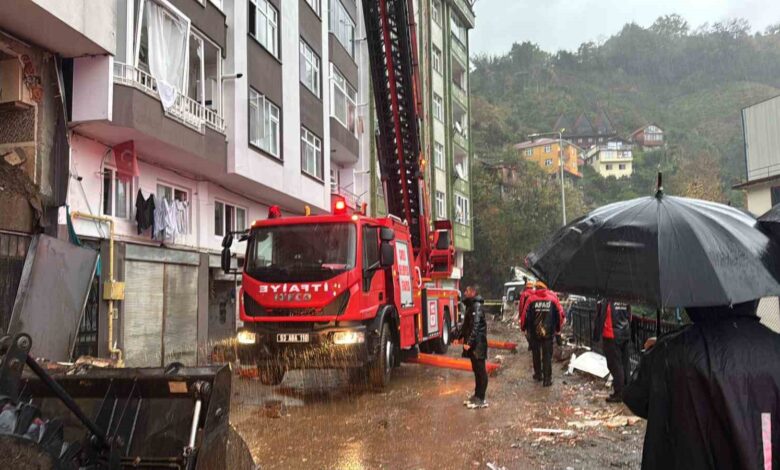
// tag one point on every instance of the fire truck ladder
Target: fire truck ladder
(391, 37)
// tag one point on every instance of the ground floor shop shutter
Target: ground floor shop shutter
(160, 314)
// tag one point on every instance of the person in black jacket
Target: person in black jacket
(474, 334)
(710, 393)
(612, 326)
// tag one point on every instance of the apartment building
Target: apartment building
(614, 158)
(442, 31)
(546, 152)
(215, 110)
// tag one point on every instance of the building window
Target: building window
(310, 69)
(438, 107)
(181, 198)
(343, 99)
(311, 154)
(116, 195)
(315, 5)
(204, 72)
(548, 162)
(441, 208)
(622, 166)
(608, 167)
(462, 167)
(462, 210)
(342, 26)
(263, 123)
(436, 59)
(438, 155)
(436, 11)
(264, 25)
(547, 148)
(458, 29)
(529, 152)
(228, 218)
(334, 178)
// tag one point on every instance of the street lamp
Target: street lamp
(560, 149)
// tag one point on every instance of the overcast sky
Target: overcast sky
(565, 24)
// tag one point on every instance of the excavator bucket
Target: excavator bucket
(442, 254)
(104, 418)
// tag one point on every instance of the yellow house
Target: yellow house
(546, 153)
(615, 158)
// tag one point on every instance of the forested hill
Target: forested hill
(693, 83)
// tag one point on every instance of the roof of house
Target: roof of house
(583, 126)
(539, 142)
(602, 124)
(563, 122)
(645, 127)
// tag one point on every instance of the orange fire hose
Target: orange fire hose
(508, 345)
(447, 362)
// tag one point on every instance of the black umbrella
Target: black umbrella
(769, 223)
(663, 250)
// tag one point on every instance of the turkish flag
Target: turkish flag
(125, 160)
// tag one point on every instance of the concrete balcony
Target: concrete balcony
(185, 110)
(72, 28)
(459, 52)
(116, 103)
(460, 97)
(464, 10)
(460, 140)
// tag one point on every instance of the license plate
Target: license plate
(292, 338)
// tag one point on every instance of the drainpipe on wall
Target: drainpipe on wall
(112, 290)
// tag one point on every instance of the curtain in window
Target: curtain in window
(168, 40)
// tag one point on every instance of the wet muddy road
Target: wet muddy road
(314, 420)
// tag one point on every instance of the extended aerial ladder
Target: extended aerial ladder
(391, 37)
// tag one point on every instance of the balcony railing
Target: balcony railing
(184, 110)
(460, 139)
(460, 96)
(352, 199)
(459, 51)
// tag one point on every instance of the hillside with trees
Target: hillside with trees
(691, 82)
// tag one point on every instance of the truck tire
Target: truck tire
(270, 375)
(441, 344)
(380, 369)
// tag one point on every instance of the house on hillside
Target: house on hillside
(585, 132)
(546, 153)
(613, 158)
(649, 136)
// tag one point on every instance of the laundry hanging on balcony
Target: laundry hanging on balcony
(168, 36)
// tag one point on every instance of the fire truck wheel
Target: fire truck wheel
(379, 369)
(270, 375)
(425, 347)
(440, 345)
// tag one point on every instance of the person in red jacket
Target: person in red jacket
(543, 318)
(612, 326)
(529, 288)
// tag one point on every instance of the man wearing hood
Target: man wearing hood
(711, 393)
(543, 319)
(474, 334)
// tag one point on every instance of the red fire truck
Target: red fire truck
(345, 290)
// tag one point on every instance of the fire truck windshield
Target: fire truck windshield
(301, 253)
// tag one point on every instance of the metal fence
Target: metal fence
(13, 250)
(581, 318)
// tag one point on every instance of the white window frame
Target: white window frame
(315, 5)
(270, 15)
(216, 3)
(438, 107)
(436, 11)
(438, 155)
(621, 166)
(529, 152)
(608, 167)
(114, 185)
(340, 85)
(458, 30)
(342, 26)
(173, 189)
(436, 59)
(548, 162)
(463, 212)
(225, 228)
(547, 148)
(309, 60)
(311, 146)
(138, 25)
(441, 207)
(266, 111)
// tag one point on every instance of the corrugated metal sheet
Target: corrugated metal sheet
(143, 313)
(181, 314)
(761, 124)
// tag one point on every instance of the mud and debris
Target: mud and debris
(314, 419)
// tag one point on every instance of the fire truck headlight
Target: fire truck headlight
(246, 337)
(349, 337)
